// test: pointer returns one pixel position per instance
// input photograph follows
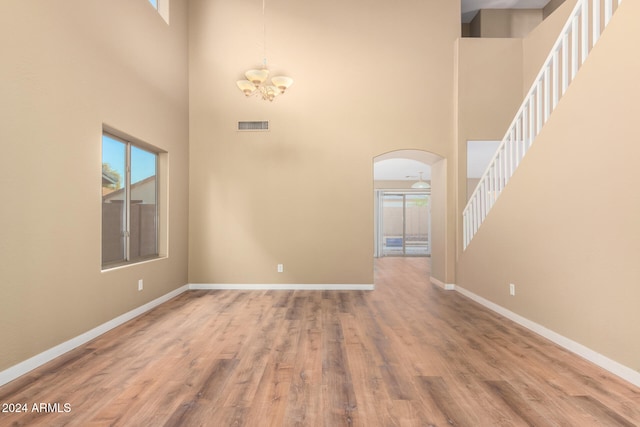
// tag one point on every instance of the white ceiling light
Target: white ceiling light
(420, 183)
(256, 82)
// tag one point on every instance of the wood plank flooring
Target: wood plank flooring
(406, 354)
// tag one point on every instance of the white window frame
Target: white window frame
(160, 190)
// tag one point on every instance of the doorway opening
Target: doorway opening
(414, 184)
(403, 223)
(402, 211)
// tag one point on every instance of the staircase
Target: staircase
(581, 32)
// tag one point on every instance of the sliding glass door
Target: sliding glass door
(403, 223)
(392, 224)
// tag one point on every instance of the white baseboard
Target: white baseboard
(604, 362)
(38, 360)
(281, 287)
(445, 286)
(34, 362)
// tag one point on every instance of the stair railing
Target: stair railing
(581, 32)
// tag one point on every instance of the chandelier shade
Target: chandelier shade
(246, 86)
(282, 82)
(257, 77)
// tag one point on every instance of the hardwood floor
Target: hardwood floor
(406, 354)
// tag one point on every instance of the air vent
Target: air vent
(253, 126)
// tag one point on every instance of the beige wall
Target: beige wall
(489, 94)
(551, 7)
(475, 26)
(466, 29)
(490, 87)
(472, 183)
(494, 75)
(505, 23)
(302, 194)
(442, 268)
(572, 249)
(67, 68)
(538, 44)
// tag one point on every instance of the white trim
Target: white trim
(282, 287)
(604, 362)
(133, 264)
(38, 360)
(445, 286)
(163, 10)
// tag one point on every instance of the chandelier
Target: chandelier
(256, 82)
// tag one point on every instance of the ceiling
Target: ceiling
(469, 8)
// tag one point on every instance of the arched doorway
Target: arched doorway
(395, 174)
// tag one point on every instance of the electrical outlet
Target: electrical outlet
(140, 285)
(280, 268)
(512, 289)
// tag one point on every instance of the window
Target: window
(129, 202)
(162, 6)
